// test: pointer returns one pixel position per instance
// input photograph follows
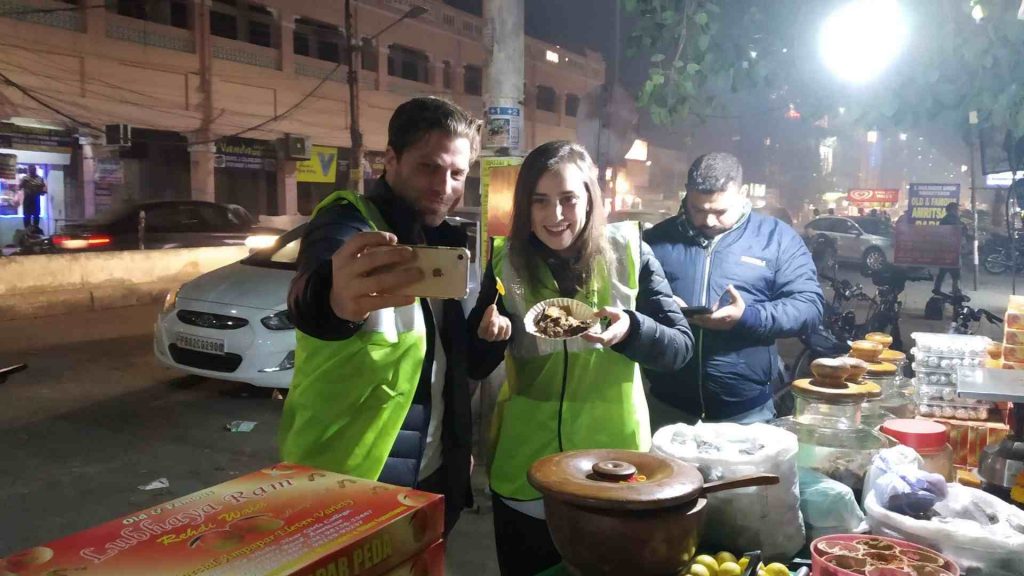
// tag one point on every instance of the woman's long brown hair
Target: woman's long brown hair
(589, 248)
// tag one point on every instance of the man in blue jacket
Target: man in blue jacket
(757, 275)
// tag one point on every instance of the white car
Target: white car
(232, 323)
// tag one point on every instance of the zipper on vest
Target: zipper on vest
(561, 400)
(704, 291)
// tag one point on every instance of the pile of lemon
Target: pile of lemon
(726, 564)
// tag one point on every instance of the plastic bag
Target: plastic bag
(885, 461)
(765, 518)
(981, 533)
(828, 506)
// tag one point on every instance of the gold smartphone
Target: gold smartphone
(445, 273)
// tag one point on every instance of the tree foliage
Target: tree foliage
(702, 50)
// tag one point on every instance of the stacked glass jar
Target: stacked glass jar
(936, 360)
(827, 421)
(894, 402)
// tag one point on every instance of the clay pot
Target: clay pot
(613, 512)
(921, 557)
(829, 547)
(876, 545)
(878, 558)
(847, 562)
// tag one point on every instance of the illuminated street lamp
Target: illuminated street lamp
(862, 38)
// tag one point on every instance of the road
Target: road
(95, 417)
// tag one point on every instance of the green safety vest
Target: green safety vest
(564, 395)
(348, 398)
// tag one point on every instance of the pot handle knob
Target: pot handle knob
(614, 470)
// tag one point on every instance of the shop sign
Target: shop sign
(321, 167)
(873, 195)
(245, 154)
(926, 246)
(8, 166)
(928, 202)
(504, 127)
(497, 189)
(31, 139)
(109, 172)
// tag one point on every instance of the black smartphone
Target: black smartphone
(691, 311)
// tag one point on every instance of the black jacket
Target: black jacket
(659, 337)
(310, 310)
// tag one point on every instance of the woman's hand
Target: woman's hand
(493, 326)
(617, 330)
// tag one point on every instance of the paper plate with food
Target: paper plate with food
(560, 319)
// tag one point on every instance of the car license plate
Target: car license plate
(200, 344)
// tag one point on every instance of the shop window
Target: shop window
(169, 12)
(446, 75)
(223, 24)
(301, 43)
(473, 81)
(180, 14)
(408, 63)
(369, 56)
(545, 98)
(261, 25)
(572, 105)
(321, 40)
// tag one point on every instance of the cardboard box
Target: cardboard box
(969, 437)
(429, 563)
(282, 520)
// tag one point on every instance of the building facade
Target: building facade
(210, 89)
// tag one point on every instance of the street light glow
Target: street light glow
(862, 38)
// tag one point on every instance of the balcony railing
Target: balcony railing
(149, 33)
(244, 53)
(45, 12)
(306, 66)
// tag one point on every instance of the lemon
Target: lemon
(776, 569)
(723, 557)
(707, 562)
(762, 573)
(699, 570)
(729, 569)
(743, 562)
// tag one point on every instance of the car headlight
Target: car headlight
(171, 300)
(260, 241)
(278, 321)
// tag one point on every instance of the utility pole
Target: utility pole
(354, 62)
(504, 76)
(354, 131)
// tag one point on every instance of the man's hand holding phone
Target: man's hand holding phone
(723, 317)
(365, 270)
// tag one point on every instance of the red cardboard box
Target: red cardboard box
(429, 563)
(282, 520)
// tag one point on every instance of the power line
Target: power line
(282, 114)
(46, 105)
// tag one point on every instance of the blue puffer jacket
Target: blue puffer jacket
(768, 263)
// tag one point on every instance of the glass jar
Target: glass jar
(895, 402)
(833, 440)
(927, 438)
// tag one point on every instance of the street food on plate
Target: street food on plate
(558, 322)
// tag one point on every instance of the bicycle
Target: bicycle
(963, 315)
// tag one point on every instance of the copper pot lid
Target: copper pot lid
(616, 479)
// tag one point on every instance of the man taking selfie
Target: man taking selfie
(380, 389)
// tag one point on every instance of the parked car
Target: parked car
(865, 240)
(166, 224)
(777, 212)
(232, 323)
